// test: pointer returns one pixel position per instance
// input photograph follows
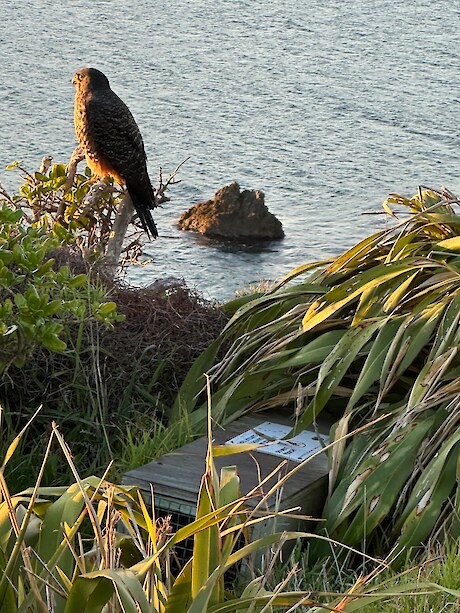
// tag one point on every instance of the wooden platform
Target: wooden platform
(176, 476)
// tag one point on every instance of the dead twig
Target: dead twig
(160, 196)
(92, 199)
(46, 163)
(15, 205)
(5, 196)
(76, 157)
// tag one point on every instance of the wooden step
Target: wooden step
(175, 477)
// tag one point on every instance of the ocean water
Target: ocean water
(324, 105)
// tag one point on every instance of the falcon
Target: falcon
(111, 140)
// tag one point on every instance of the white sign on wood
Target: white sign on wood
(268, 434)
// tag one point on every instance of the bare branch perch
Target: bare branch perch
(5, 196)
(76, 157)
(106, 218)
(94, 196)
(120, 225)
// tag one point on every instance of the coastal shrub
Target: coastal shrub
(37, 301)
(40, 306)
(371, 338)
(109, 385)
(112, 387)
(67, 203)
(93, 214)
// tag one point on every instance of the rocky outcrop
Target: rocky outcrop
(233, 215)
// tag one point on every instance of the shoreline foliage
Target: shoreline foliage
(104, 359)
(36, 300)
(94, 215)
(371, 334)
(62, 550)
(370, 337)
(63, 201)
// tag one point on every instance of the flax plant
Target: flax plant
(372, 332)
(95, 546)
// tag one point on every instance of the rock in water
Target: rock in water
(233, 215)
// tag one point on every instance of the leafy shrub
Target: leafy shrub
(60, 199)
(101, 381)
(95, 215)
(40, 306)
(372, 334)
(35, 300)
(60, 550)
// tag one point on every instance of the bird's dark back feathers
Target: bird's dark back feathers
(97, 80)
(111, 136)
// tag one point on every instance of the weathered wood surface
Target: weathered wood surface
(177, 475)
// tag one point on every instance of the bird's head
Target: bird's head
(90, 78)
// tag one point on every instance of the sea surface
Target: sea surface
(324, 105)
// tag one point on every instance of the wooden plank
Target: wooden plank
(177, 475)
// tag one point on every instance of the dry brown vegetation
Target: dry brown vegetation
(109, 379)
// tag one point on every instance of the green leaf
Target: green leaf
(9, 603)
(58, 170)
(334, 368)
(313, 352)
(366, 495)
(65, 510)
(106, 310)
(393, 301)
(348, 291)
(53, 342)
(179, 599)
(419, 332)
(89, 595)
(14, 165)
(25, 190)
(40, 177)
(372, 369)
(59, 182)
(194, 381)
(80, 281)
(430, 494)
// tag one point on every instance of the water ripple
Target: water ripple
(326, 110)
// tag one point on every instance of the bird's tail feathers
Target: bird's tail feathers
(143, 202)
